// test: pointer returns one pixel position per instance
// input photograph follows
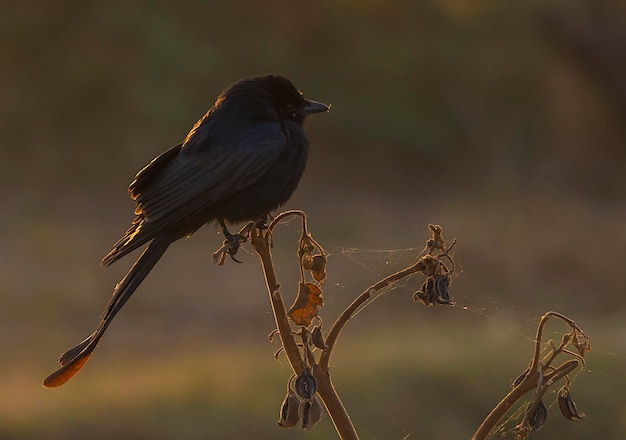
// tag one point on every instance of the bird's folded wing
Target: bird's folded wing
(203, 173)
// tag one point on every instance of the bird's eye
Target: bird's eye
(291, 110)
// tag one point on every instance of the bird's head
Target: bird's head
(269, 97)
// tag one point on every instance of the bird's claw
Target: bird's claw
(231, 244)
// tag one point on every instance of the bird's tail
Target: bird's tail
(74, 359)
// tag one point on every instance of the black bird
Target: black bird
(240, 161)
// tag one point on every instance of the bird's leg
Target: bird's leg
(261, 224)
(231, 243)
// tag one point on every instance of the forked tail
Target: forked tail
(74, 358)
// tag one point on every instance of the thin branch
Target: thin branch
(325, 389)
(260, 243)
(504, 406)
(539, 377)
(290, 213)
(535, 361)
(345, 316)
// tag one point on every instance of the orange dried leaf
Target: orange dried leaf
(304, 308)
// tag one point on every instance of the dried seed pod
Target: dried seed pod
(289, 414)
(317, 338)
(521, 377)
(306, 384)
(422, 296)
(442, 289)
(316, 264)
(318, 268)
(426, 294)
(539, 416)
(567, 405)
(310, 412)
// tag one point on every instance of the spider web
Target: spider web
(366, 266)
(370, 265)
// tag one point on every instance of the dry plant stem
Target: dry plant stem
(529, 382)
(502, 408)
(290, 213)
(260, 243)
(325, 389)
(542, 323)
(345, 316)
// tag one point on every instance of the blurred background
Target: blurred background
(504, 122)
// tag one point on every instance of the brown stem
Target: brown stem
(505, 405)
(345, 316)
(561, 371)
(325, 389)
(334, 405)
(535, 362)
(290, 213)
(260, 243)
(530, 381)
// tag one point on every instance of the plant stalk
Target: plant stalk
(337, 412)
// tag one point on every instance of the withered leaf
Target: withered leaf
(304, 308)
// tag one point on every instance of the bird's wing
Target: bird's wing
(150, 171)
(191, 177)
(207, 172)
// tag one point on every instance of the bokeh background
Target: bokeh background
(504, 122)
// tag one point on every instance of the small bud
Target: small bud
(567, 405)
(317, 338)
(307, 261)
(582, 344)
(307, 246)
(288, 417)
(539, 417)
(306, 384)
(310, 412)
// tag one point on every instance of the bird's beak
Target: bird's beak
(313, 107)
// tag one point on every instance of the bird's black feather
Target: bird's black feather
(241, 160)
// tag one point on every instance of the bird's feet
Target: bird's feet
(231, 243)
